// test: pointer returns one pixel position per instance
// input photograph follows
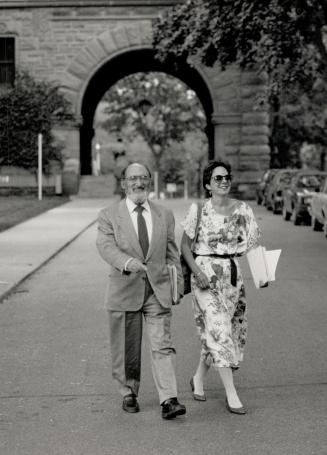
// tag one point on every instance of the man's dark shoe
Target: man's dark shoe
(172, 408)
(130, 403)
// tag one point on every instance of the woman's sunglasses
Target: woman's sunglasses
(220, 178)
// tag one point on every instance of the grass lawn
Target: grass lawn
(16, 209)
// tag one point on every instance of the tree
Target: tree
(184, 161)
(286, 39)
(298, 117)
(155, 106)
(29, 108)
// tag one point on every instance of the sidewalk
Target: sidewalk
(29, 245)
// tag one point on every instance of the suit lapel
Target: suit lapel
(156, 228)
(125, 222)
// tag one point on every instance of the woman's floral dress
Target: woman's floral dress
(220, 312)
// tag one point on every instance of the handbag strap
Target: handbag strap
(200, 206)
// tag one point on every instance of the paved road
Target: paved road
(56, 393)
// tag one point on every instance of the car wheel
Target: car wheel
(316, 226)
(325, 228)
(286, 214)
(295, 217)
(259, 200)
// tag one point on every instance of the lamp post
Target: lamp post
(39, 143)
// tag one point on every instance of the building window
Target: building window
(7, 61)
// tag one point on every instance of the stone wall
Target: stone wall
(69, 44)
(48, 39)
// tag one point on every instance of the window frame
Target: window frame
(9, 62)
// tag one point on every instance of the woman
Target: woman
(227, 229)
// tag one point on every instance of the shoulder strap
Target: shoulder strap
(200, 206)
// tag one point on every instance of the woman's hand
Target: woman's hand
(202, 280)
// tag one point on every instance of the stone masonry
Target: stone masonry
(69, 42)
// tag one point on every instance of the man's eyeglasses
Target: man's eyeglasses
(135, 178)
(220, 178)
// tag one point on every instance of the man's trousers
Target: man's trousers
(126, 344)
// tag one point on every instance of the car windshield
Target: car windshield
(309, 181)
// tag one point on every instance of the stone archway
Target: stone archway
(112, 56)
(236, 131)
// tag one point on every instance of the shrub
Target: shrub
(29, 108)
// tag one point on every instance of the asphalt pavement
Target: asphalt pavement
(56, 392)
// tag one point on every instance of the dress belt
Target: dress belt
(233, 268)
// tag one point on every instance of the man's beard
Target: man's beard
(138, 197)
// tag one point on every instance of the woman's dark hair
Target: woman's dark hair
(208, 170)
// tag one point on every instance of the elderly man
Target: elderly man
(136, 238)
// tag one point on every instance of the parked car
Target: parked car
(318, 209)
(262, 185)
(275, 189)
(297, 197)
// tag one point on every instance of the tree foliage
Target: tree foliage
(285, 38)
(185, 161)
(170, 110)
(296, 118)
(29, 108)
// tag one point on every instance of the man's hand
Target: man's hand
(135, 266)
(180, 296)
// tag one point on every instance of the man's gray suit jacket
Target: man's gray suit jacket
(117, 241)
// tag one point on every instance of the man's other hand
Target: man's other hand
(180, 296)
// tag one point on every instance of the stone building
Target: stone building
(88, 45)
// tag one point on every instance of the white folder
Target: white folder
(263, 265)
(173, 282)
